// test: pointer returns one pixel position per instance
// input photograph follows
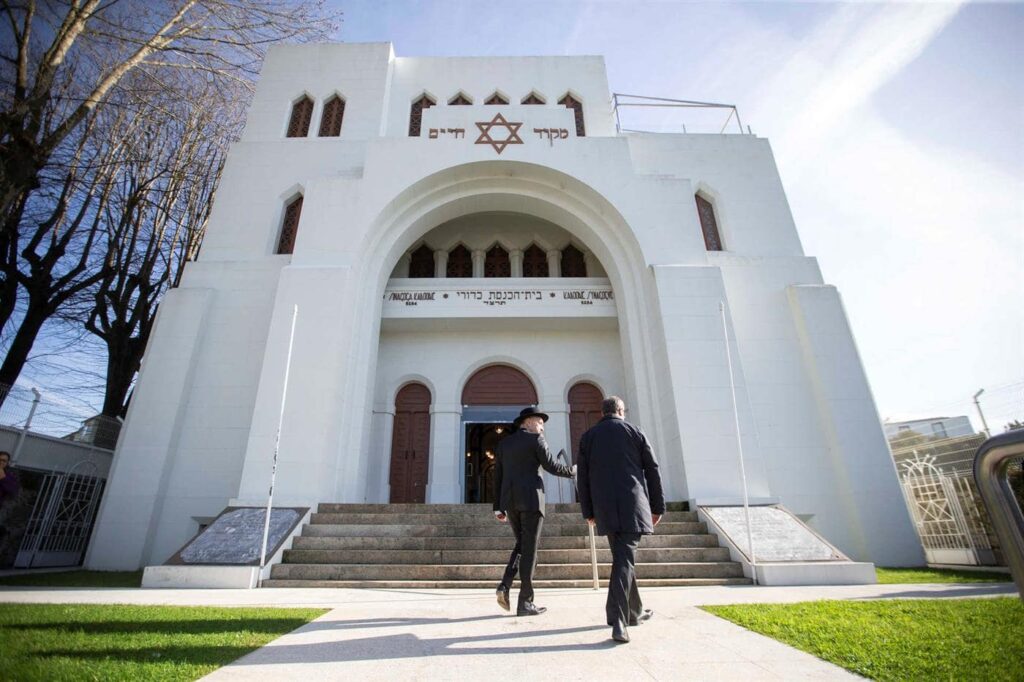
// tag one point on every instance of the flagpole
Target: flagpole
(277, 445)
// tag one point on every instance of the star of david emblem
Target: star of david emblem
(512, 133)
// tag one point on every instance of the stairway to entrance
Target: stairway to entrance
(462, 545)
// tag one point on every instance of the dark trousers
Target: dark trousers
(623, 596)
(527, 526)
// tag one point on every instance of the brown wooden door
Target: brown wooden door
(584, 412)
(410, 444)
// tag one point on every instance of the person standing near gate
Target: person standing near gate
(620, 491)
(519, 499)
(9, 486)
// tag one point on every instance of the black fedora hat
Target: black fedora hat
(528, 412)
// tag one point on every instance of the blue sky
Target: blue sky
(897, 129)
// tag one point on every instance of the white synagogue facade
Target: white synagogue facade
(463, 237)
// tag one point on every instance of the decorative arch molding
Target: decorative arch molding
(492, 361)
(598, 382)
(518, 187)
(499, 384)
(406, 380)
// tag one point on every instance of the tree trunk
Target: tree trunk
(21, 346)
(121, 366)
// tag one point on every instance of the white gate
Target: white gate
(946, 511)
(58, 529)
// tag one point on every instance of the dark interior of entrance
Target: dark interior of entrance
(481, 449)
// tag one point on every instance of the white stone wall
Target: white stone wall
(202, 424)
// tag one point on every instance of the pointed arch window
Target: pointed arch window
(330, 120)
(416, 114)
(302, 113)
(460, 262)
(290, 226)
(708, 224)
(497, 98)
(532, 98)
(460, 100)
(422, 262)
(497, 263)
(571, 102)
(573, 262)
(535, 262)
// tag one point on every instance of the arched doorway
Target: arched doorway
(410, 444)
(491, 399)
(584, 411)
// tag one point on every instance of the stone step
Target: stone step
(493, 556)
(419, 508)
(501, 542)
(493, 572)
(482, 517)
(490, 584)
(492, 529)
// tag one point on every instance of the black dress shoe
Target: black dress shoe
(619, 633)
(530, 609)
(645, 616)
(502, 594)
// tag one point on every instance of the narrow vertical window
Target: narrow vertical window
(497, 98)
(460, 100)
(416, 115)
(497, 263)
(533, 98)
(460, 262)
(708, 224)
(290, 226)
(571, 102)
(535, 262)
(302, 112)
(330, 120)
(573, 262)
(422, 262)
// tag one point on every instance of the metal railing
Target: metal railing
(991, 471)
(623, 101)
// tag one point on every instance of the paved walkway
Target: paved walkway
(456, 634)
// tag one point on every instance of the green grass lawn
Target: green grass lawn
(75, 579)
(896, 576)
(108, 642)
(901, 639)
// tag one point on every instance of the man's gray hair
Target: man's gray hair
(611, 405)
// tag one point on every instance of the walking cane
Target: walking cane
(590, 529)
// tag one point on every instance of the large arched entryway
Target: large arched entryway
(410, 444)
(491, 399)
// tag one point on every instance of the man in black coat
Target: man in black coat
(519, 499)
(620, 491)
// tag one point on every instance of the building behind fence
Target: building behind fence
(935, 462)
(61, 455)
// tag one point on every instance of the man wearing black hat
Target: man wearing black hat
(519, 499)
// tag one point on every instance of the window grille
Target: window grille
(330, 120)
(302, 112)
(577, 110)
(416, 115)
(535, 262)
(497, 98)
(708, 224)
(459, 100)
(422, 262)
(497, 263)
(573, 262)
(290, 226)
(460, 262)
(532, 98)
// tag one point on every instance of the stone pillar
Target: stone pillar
(378, 483)
(403, 265)
(593, 265)
(554, 263)
(479, 257)
(556, 433)
(440, 264)
(444, 483)
(515, 257)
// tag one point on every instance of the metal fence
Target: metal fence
(29, 410)
(937, 478)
